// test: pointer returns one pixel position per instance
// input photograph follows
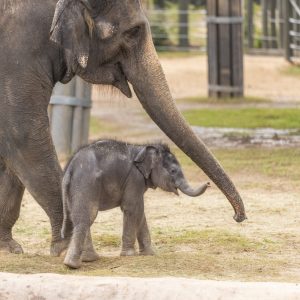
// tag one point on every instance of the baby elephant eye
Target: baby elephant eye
(173, 171)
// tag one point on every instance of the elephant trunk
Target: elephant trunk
(186, 189)
(148, 80)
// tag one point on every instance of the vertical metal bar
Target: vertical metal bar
(265, 42)
(273, 43)
(61, 120)
(183, 23)
(62, 129)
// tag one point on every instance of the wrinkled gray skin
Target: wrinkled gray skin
(108, 174)
(102, 41)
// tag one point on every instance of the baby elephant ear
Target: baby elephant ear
(145, 160)
(70, 31)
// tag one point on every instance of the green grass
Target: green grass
(277, 163)
(245, 118)
(213, 254)
(222, 101)
(291, 70)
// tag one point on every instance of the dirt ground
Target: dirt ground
(193, 237)
(264, 77)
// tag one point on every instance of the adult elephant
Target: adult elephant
(43, 42)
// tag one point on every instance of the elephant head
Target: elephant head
(160, 168)
(97, 33)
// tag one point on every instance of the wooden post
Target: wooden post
(225, 48)
(281, 23)
(250, 23)
(287, 26)
(212, 49)
(237, 70)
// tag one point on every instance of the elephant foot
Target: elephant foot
(73, 263)
(88, 256)
(11, 246)
(147, 251)
(58, 247)
(128, 252)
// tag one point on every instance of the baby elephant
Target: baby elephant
(107, 174)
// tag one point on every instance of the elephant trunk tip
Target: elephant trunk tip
(240, 217)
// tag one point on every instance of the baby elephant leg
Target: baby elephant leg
(132, 215)
(89, 254)
(144, 238)
(73, 256)
(81, 248)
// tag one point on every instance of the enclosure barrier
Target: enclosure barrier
(69, 115)
(264, 26)
(292, 32)
(225, 48)
(54, 286)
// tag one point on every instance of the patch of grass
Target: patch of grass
(244, 118)
(212, 254)
(223, 101)
(276, 163)
(107, 240)
(291, 70)
(210, 240)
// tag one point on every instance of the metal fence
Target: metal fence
(178, 30)
(265, 29)
(292, 43)
(264, 25)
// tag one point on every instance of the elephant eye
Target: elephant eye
(173, 171)
(133, 32)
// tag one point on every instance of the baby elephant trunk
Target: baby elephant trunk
(186, 189)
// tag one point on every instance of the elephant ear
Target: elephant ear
(145, 160)
(70, 30)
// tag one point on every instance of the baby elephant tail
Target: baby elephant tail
(65, 198)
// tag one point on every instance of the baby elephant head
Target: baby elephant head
(159, 166)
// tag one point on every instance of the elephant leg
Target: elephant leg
(144, 238)
(133, 211)
(41, 174)
(83, 215)
(89, 254)
(11, 193)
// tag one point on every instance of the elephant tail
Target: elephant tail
(65, 198)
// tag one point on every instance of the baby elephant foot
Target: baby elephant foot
(58, 247)
(147, 251)
(11, 246)
(128, 252)
(88, 256)
(72, 261)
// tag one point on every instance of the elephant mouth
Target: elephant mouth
(174, 189)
